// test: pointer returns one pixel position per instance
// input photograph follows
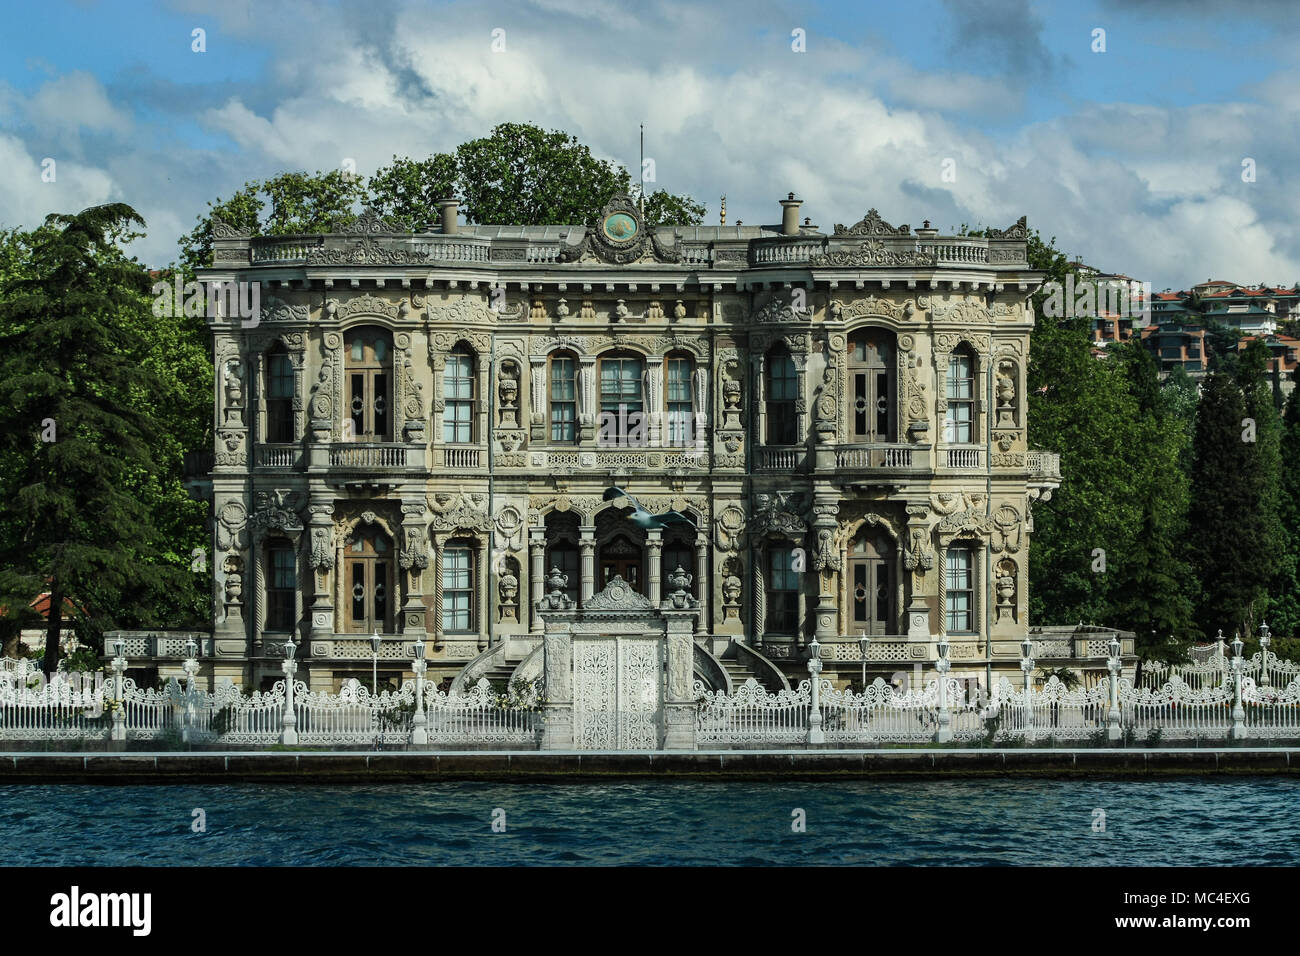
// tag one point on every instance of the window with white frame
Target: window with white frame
(961, 589)
(458, 395)
(458, 588)
(959, 421)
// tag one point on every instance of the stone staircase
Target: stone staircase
(740, 668)
(499, 674)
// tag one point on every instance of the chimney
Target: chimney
(447, 213)
(790, 215)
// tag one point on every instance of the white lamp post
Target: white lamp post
(944, 733)
(375, 642)
(119, 668)
(1113, 731)
(289, 723)
(1027, 665)
(419, 726)
(815, 733)
(1264, 641)
(1238, 711)
(864, 642)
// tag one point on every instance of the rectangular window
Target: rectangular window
(457, 589)
(961, 590)
(281, 588)
(782, 593)
(679, 401)
(564, 407)
(621, 407)
(958, 424)
(458, 392)
(782, 392)
(279, 400)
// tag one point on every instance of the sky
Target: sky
(1166, 156)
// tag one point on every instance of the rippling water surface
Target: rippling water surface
(959, 822)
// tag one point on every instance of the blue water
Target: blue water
(957, 822)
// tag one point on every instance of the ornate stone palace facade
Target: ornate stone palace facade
(431, 436)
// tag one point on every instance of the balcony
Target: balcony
(463, 456)
(1044, 465)
(281, 457)
(889, 458)
(964, 458)
(614, 459)
(780, 459)
(370, 456)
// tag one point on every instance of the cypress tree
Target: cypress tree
(1284, 604)
(1223, 558)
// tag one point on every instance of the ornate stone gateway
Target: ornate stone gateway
(618, 671)
(617, 691)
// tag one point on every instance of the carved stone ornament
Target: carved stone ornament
(367, 251)
(871, 225)
(455, 512)
(620, 236)
(277, 310)
(618, 595)
(775, 514)
(555, 599)
(224, 230)
(826, 558)
(322, 549)
(276, 511)
(1018, 230)
(729, 528)
(415, 550)
(873, 252)
(231, 518)
(369, 223)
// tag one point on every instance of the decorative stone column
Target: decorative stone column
(537, 416)
(919, 559)
(703, 584)
(654, 558)
(557, 651)
(435, 545)
(413, 559)
(826, 561)
(654, 380)
(679, 703)
(536, 572)
(587, 577)
(320, 559)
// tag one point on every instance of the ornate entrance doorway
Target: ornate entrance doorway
(368, 573)
(621, 558)
(871, 585)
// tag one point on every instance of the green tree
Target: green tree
(242, 210)
(78, 423)
(407, 191)
(1082, 408)
(1284, 605)
(663, 208)
(311, 203)
(1262, 523)
(1221, 541)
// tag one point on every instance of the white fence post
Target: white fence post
(289, 721)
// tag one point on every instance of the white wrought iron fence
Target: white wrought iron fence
(752, 715)
(60, 709)
(479, 715)
(1176, 711)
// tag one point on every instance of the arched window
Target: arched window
(871, 378)
(279, 396)
(564, 403)
(959, 421)
(281, 585)
(458, 587)
(782, 393)
(679, 401)
(368, 576)
(960, 582)
(782, 591)
(369, 371)
(622, 403)
(458, 397)
(871, 585)
(621, 557)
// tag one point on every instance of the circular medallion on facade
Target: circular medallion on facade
(620, 227)
(617, 592)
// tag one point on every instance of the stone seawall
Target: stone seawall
(395, 767)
